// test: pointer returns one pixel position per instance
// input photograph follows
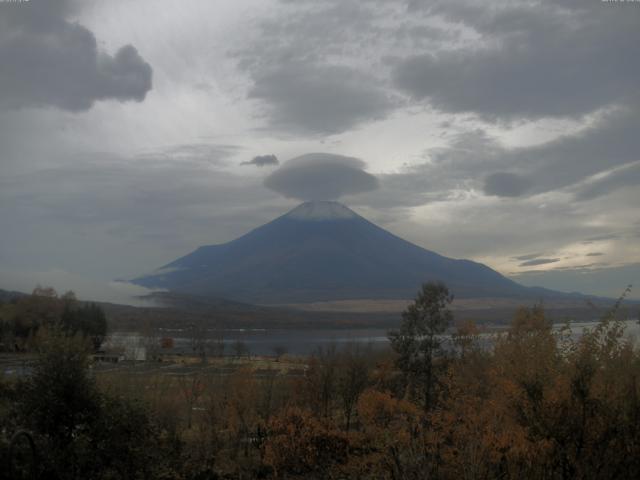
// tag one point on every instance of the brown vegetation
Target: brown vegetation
(537, 404)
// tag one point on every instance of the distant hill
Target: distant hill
(322, 251)
(180, 311)
(8, 295)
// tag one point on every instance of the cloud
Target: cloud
(192, 154)
(110, 217)
(529, 60)
(508, 61)
(528, 256)
(595, 161)
(321, 68)
(262, 161)
(595, 254)
(504, 184)
(321, 176)
(49, 61)
(137, 212)
(625, 176)
(85, 288)
(609, 281)
(319, 99)
(601, 238)
(539, 261)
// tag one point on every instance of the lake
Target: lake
(299, 342)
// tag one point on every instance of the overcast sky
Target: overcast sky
(133, 131)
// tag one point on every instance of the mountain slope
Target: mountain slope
(323, 251)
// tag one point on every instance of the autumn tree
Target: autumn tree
(242, 396)
(466, 337)
(300, 445)
(417, 342)
(44, 308)
(393, 437)
(41, 308)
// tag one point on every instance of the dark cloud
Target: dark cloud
(539, 261)
(321, 176)
(262, 161)
(595, 254)
(605, 150)
(528, 256)
(48, 60)
(319, 99)
(602, 238)
(504, 184)
(531, 60)
(320, 67)
(576, 268)
(507, 61)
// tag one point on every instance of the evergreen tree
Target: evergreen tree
(416, 342)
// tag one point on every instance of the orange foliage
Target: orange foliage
(298, 443)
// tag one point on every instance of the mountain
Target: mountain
(324, 251)
(10, 295)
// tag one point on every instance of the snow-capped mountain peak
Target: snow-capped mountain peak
(321, 210)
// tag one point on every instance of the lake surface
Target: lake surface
(300, 342)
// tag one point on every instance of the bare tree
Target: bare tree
(192, 387)
(353, 379)
(151, 341)
(321, 379)
(240, 348)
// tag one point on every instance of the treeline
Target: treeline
(21, 317)
(537, 403)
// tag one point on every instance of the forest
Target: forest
(440, 403)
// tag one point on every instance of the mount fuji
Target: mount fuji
(323, 251)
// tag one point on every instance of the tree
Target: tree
(302, 446)
(321, 380)
(352, 379)
(192, 388)
(240, 348)
(89, 320)
(85, 433)
(393, 441)
(279, 351)
(59, 397)
(202, 344)
(41, 308)
(416, 342)
(466, 337)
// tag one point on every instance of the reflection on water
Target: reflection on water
(301, 342)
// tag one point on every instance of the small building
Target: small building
(108, 357)
(137, 353)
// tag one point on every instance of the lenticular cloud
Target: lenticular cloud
(321, 176)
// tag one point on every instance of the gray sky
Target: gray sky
(133, 131)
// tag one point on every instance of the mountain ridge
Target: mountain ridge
(323, 251)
